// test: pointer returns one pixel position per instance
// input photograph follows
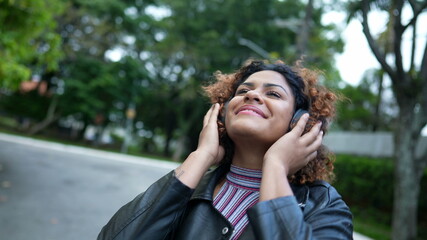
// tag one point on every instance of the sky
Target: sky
(357, 56)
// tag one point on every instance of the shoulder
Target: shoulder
(322, 195)
(323, 189)
(318, 194)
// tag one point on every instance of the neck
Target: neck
(249, 155)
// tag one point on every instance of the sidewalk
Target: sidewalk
(358, 236)
(108, 155)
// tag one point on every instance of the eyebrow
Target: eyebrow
(266, 85)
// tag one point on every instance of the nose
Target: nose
(253, 95)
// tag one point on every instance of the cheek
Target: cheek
(285, 116)
(228, 108)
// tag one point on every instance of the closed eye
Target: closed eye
(274, 94)
(241, 91)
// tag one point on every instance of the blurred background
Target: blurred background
(125, 76)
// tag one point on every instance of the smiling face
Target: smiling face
(262, 108)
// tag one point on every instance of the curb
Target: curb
(88, 151)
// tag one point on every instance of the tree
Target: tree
(170, 49)
(364, 108)
(197, 38)
(90, 88)
(410, 90)
(28, 41)
(356, 109)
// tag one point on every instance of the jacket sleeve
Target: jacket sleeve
(151, 215)
(283, 218)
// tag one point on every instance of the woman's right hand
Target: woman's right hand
(209, 139)
(208, 152)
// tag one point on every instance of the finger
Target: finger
(308, 138)
(214, 114)
(207, 116)
(311, 156)
(300, 126)
(314, 146)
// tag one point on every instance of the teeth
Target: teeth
(250, 111)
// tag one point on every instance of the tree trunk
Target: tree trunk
(380, 76)
(180, 148)
(412, 102)
(407, 180)
(304, 33)
(170, 127)
(51, 117)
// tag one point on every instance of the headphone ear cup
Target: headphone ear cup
(223, 112)
(297, 115)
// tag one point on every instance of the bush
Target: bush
(366, 184)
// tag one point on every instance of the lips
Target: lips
(251, 110)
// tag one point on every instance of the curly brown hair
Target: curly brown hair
(309, 95)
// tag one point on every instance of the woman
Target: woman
(270, 182)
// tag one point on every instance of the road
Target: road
(50, 191)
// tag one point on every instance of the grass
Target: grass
(371, 222)
(371, 229)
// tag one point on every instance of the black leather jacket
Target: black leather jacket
(171, 210)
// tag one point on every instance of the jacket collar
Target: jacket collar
(206, 187)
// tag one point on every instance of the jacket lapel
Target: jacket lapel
(208, 183)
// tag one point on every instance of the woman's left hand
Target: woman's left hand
(293, 150)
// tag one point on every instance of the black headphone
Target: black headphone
(297, 115)
(224, 112)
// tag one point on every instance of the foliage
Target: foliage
(94, 85)
(169, 49)
(366, 185)
(25, 105)
(356, 110)
(363, 109)
(27, 39)
(87, 86)
(195, 39)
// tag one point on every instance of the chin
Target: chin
(252, 133)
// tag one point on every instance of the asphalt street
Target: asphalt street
(50, 191)
(54, 192)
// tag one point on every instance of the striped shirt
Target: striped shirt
(239, 192)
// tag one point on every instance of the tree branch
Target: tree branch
(413, 4)
(397, 43)
(423, 68)
(422, 162)
(304, 32)
(374, 46)
(417, 11)
(414, 46)
(422, 77)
